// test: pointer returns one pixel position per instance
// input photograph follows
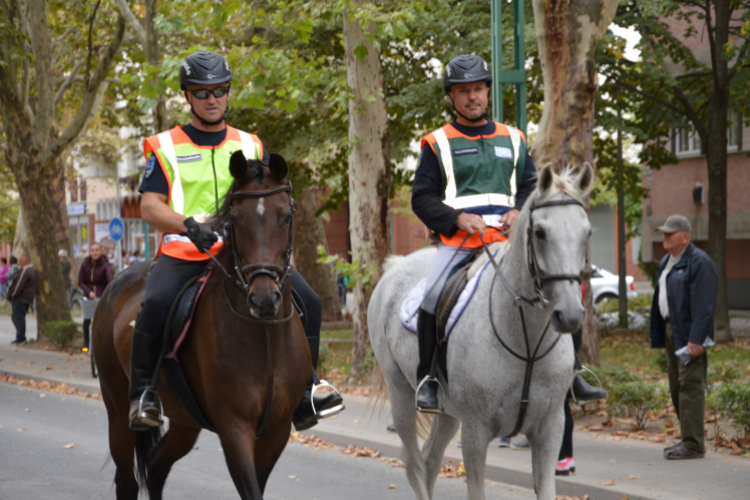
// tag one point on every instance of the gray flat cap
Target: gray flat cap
(675, 223)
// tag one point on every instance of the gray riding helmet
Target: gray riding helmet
(465, 69)
(204, 68)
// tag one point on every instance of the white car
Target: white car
(605, 285)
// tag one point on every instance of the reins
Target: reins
(279, 274)
(521, 300)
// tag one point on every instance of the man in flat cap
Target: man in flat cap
(682, 315)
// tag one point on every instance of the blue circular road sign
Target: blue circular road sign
(116, 229)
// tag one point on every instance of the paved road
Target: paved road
(34, 463)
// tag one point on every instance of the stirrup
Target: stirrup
(439, 409)
(146, 418)
(582, 402)
(327, 412)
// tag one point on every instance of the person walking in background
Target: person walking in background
(65, 268)
(12, 271)
(682, 319)
(21, 294)
(93, 277)
(3, 277)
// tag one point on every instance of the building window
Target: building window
(687, 141)
(83, 189)
(733, 130)
(73, 188)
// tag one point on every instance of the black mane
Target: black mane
(255, 173)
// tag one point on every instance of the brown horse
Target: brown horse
(225, 354)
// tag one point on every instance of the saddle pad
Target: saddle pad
(182, 311)
(410, 306)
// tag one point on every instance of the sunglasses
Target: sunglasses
(204, 93)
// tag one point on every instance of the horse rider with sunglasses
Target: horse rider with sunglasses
(474, 174)
(187, 175)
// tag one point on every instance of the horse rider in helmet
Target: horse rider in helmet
(474, 174)
(200, 151)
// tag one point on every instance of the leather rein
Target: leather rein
(279, 274)
(539, 280)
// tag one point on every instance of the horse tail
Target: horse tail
(144, 443)
(379, 395)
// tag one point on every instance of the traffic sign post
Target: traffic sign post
(116, 232)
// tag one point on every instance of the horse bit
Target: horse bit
(539, 280)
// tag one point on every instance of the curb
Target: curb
(89, 387)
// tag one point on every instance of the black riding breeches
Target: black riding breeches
(169, 275)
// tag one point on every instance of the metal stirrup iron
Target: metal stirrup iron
(145, 417)
(439, 409)
(330, 411)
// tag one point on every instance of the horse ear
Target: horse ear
(585, 178)
(546, 176)
(278, 167)
(238, 165)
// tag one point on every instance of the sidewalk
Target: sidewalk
(598, 460)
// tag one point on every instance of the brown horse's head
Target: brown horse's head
(260, 229)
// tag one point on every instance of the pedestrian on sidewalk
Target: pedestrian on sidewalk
(93, 277)
(65, 268)
(682, 316)
(4, 277)
(21, 295)
(12, 273)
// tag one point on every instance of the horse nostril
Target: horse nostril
(255, 301)
(276, 298)
(557, 318)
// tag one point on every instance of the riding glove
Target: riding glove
(201, 235)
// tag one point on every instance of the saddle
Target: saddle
(180, 318)
(450, 294)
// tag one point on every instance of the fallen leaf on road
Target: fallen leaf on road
(42, 395)
(26, 410)
(596, 428)
(451, 471)
(61, 388)
(608, 483)
(20, 430)
(50, 367)
(360, 452)
(650, 463)
(633, 476)
(292, 477)
(392, 487)
(315, 442)
(69, 446)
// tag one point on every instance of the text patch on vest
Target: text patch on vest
(503, 152)
(465, 151)
(186, 158)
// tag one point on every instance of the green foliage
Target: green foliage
(61, 333)
(354, 272)
(732, 400)
(730, 370)
(648, 268)
(634, 304)
(324, 354)
(661, 361)
(610, 376)
(636, 400)
(369, 362)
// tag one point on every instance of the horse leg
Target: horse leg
(267, 453)
(444, 427)
(176, 443)
(238, 442)
(545, 442)
(405, 420)
(475, 437)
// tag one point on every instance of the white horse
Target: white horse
(537, 283)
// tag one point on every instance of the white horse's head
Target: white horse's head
(558, 231)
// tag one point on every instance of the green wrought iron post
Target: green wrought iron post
(515, 76)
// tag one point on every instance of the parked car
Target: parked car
(605, 285)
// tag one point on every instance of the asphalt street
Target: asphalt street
(37, 461)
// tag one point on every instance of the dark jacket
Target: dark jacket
(24, 285)
(692, 285)
(65, 268)
(94, 278)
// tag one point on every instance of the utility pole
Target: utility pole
(516, 76)
(622, 289)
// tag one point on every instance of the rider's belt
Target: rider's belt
(490, 236)
(180, 247)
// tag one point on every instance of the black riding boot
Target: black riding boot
(427, 399)
(145, 411)
(86, 330)
(314, 407)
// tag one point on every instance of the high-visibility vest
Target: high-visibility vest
(480, 171)
(193, 182)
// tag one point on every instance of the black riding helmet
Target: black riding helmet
(467, 68)
(205, 68)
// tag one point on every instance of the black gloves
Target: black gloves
(201, 235)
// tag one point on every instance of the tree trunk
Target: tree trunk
(716, 161)
(369, 173)
(568, 32)
(308, 234)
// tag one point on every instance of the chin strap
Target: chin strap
(485, 116)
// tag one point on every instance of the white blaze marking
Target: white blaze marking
(261, 207)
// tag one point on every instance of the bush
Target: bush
(661, 361)
(732, 400)
(728, 371)
(636, 400)
(62, 333)
(609, 376)
(634, 305)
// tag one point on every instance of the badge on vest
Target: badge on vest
(150, 163)
(186, 158)
(465, 151)
(503, 152)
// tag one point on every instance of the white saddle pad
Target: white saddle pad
(410, 306)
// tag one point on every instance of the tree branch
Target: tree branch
(133, 22)
(68, 82)
(49, 155)
(738, 63)
(690, 113)
(40, 44)
(652, 98)
(87, 74)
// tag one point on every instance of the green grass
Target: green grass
(336, 334)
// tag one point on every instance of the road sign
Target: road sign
(116, 229)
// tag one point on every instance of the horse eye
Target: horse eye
(288, 219)
(539, 233)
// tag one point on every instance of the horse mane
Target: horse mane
(256, 172)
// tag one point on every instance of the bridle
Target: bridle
(279, 274)
(540, 278)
